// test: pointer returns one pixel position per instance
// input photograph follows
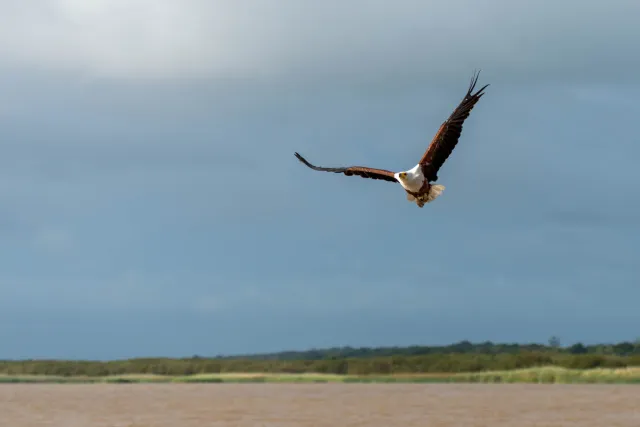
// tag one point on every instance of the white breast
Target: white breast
(414, 179)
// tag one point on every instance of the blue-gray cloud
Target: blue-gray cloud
(147, 170)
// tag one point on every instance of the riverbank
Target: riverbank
(546, 375)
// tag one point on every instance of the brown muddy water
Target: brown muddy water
(318, 405)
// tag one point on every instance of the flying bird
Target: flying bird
(418, 181)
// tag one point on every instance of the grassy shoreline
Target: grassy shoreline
(546, 375)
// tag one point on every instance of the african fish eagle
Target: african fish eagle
(417, 182)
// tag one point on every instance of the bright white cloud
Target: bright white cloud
(204, 38)
(118, 38)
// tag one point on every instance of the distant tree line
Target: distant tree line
(625, 348)
(460, 357)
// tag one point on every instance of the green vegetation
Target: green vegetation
(545, 375)
(552, 374)
(484, 362)
(625, 348)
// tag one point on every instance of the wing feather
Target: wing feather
(446, 138)
(361, 171)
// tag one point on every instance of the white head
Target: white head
(401, 176)
(411, 179)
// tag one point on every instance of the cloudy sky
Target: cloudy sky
(150, 203)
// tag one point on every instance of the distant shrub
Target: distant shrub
(413, 360)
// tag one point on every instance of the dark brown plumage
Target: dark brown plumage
(354, 170)
(446, 138)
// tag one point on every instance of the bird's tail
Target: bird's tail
(434, 191)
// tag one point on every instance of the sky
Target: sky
(151, 205)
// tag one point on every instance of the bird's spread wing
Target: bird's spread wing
(447, 137)
(362, 171)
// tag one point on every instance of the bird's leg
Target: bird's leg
(423, 194)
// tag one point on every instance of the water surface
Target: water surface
(319, 405)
